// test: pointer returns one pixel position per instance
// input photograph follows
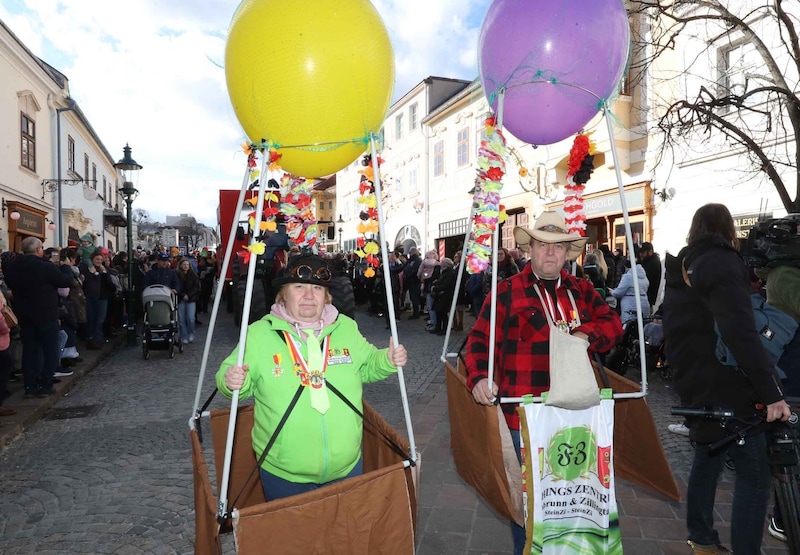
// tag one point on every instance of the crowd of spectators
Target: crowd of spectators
(69, 299)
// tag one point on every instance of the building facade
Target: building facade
(52, 160)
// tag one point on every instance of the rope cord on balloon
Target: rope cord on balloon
(601, 102)
(387, 283)
(365, 140)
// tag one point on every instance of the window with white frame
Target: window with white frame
(398, 126)
(737, 64)
(463, 147)
(438, 158)
(28, 143)
(85, 168)
(398, 186)
(70, 153)
(94, 176)
(412, 182)
(412, 117)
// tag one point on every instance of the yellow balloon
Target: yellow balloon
(314, 77)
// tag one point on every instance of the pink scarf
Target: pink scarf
(329, 315)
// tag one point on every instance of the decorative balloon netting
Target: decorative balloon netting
(487, 210)
(289, 201)
(579, 170)
(552, 63)
(367, 247)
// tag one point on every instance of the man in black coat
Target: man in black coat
(35, 282)
(651, 263)
(162, 274)
(411, 281)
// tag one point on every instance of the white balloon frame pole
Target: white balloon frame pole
(495, 243)
(212, 323)
(387, 283)
(248, 298)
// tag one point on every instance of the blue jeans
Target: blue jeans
(186, 313)
(40, 354)
(431, 312)
(277, 488)
(95, 316)
(750, 497)
(517, 531)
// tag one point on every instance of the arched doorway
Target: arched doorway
(408, 237)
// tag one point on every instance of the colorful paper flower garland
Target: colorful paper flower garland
(301, 226)
(579, 170)
(367, 247)
(289, 199)
(486, 196)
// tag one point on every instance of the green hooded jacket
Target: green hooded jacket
(312, 447)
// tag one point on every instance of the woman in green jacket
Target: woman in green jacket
(304, 345)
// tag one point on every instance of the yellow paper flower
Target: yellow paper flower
(271, 225)
(252, 201)
(369, 226)
(369, 272)
(360, 253)
(247, 149)
(257, 248)
(371, 248)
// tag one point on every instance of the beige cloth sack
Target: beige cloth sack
(572, 381)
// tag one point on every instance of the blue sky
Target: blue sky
(148, 73)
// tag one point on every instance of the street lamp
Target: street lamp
(340, 221)
(129, 169)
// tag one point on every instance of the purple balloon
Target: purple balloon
(557, 60)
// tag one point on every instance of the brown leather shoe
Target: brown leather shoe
(7, 412)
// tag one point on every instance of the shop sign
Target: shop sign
(743, 223)
(29, 222)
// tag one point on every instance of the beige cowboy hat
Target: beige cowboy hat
(550, 228)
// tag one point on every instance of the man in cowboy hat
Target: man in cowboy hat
(542, 292)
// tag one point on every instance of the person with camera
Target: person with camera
(707, 283)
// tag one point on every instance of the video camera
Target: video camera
(773, 242)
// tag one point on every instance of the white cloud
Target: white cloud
(147, 73)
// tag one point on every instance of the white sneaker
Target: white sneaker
(679, 429)
(191, 338)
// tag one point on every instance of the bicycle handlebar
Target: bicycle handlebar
(725, 416)
(714, 413)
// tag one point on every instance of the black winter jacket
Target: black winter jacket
(34, 282)
(719, 291)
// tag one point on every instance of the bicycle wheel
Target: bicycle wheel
(787, 493)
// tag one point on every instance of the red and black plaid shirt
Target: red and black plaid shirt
(522, 344)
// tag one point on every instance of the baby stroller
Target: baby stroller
(161, 328)
(627, 352)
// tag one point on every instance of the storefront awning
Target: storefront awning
(114, 218)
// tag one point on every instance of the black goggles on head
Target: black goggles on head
(307, 272)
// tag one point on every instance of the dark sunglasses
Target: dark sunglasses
(308, 273)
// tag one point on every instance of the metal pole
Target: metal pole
(131, 294)
(59, 238)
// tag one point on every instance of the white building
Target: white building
(34, 173)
